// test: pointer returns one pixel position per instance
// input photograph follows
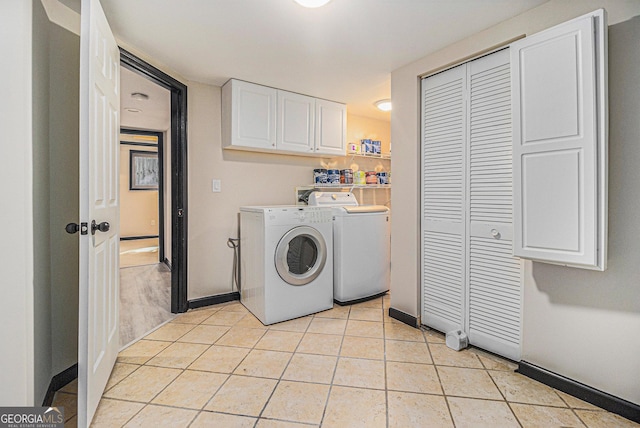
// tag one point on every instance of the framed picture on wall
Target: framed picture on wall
(143, 170)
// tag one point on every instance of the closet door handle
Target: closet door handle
(495, 233)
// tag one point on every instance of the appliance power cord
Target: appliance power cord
(235, 244)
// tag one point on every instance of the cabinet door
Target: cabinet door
(494, 275)
(253, 115)
(331, 128)
(444, 128)
(296, 119)
(559, 145)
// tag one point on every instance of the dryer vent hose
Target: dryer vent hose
(235, 278)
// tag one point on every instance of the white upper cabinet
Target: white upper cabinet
(260, 118)
(296, 122)
(331, 127)
(248, 115)
(559, 110)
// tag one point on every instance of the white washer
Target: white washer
(286, 263)
(361, 247)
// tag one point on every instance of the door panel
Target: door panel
(331, 127)
(254, 115)
(443, 199)
(296, 122)
(559, 143)
(471, 281)
(99, 262)
(495, 292)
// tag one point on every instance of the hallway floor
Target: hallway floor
(145, 300)
(346, 367)
(138, 252)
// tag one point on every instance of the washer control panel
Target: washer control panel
(302, 215)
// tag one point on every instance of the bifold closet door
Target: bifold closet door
(470, 280)
(494, 275)
(444, 131)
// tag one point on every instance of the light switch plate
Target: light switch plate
(216, 186)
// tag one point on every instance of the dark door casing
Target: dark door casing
(179, 212)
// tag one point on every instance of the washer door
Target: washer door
(300, 255)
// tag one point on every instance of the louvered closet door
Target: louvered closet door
(494, 275)
(443, 199)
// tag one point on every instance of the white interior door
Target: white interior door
(99, 265)
(443, 199)
(494, 275)
(470, 279)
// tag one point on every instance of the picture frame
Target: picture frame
(143, 170)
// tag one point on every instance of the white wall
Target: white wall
(39, 118)
(573, 319)
(247, 179)
(64, 114)
(595, 314)
(16, 217)
(41, 203)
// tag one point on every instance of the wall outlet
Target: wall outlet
(216, 186)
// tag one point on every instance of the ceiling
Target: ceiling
(344, 51)
(155, 112)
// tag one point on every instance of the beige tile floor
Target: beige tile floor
(346, 367)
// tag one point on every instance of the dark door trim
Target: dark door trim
(160, 148)
(178, 173)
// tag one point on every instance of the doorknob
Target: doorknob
(102, 227)
(72, 228)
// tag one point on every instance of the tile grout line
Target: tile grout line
(264, 407)
(335, 369)
(148, 403)
(435, 366)
(504, 397)
(572, 409)
(296, 351)
(229, 375)
(386, 380)
(199, 411)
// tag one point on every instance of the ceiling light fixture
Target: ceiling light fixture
(133, 110)
(312, 3)
(384, 105)
(139, 96)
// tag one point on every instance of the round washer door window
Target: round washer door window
(300, 255)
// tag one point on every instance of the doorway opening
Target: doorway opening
(142, 198)
(145, 275)
(176, 214)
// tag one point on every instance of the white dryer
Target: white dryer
(361, 247)
(286, 263)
